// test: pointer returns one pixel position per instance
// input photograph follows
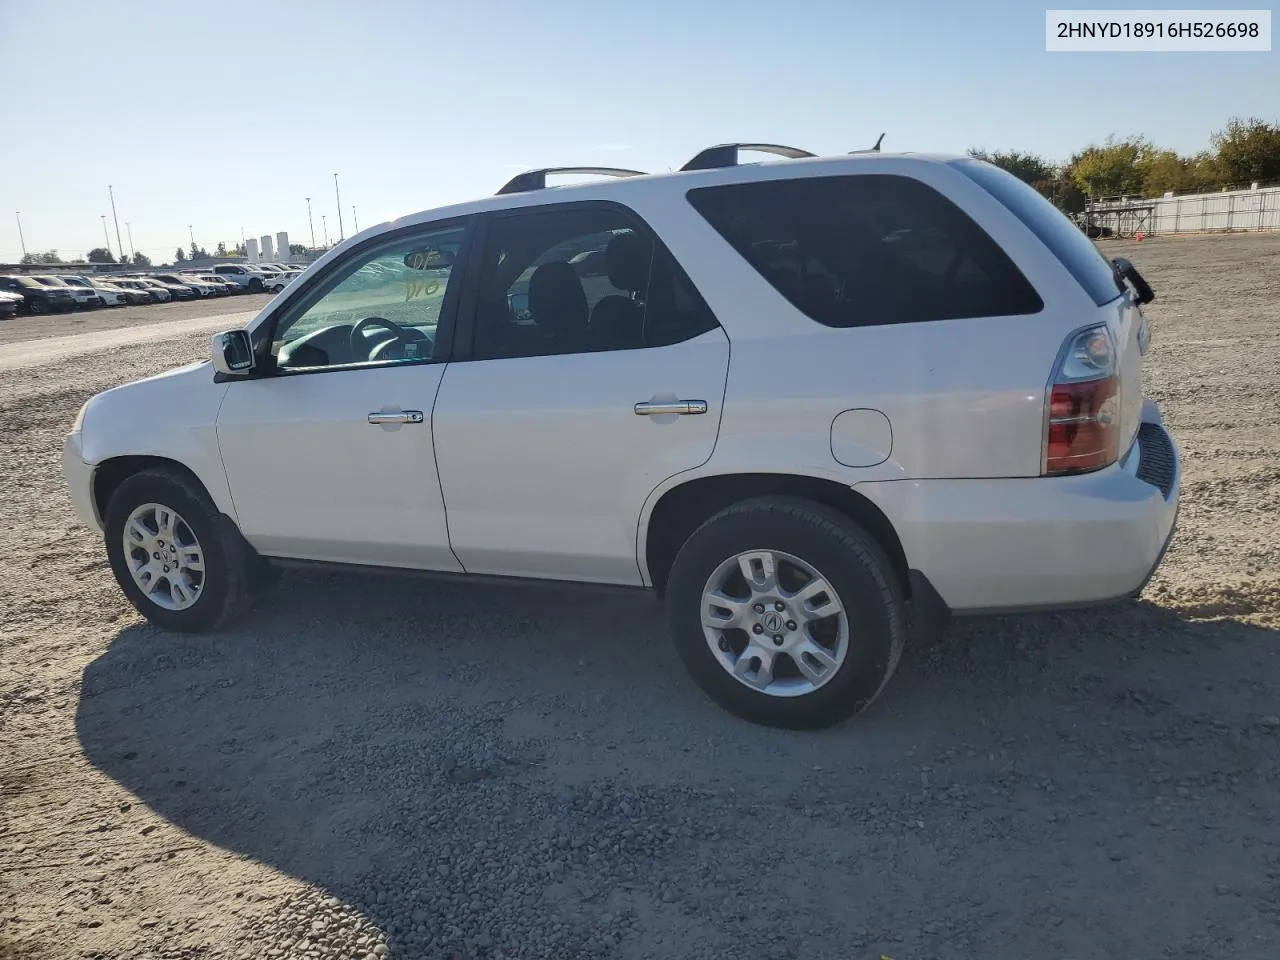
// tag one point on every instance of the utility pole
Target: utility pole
(129, 227)
(324, 223)
(355, 223)
(106, 236)
(21, 239)
(311, 223)
(119, 245)
(338, 197)
(193, 234)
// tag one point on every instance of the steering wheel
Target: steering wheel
(360, 345)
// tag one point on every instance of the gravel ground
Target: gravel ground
(18, 329)
(395, 768)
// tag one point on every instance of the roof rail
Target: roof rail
(726, 154)
(874, 149)
(537, 179)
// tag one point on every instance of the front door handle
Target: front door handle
(682, 408)
(395, 416)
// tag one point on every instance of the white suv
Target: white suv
(802, 400)
(251, 279)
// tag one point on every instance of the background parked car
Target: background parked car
(83, 297)
(134, 292)
(248, 278)
(108, 295)
(220, 287)
(278, 282)
(139, 292)
(9, 304)
(179, 291)
(39, 297)
(194, 286)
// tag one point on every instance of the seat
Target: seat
(617, 322)
(558, 306)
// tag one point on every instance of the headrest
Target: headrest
(627, 258)
(556, 299)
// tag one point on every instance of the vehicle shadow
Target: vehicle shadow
(444, 758)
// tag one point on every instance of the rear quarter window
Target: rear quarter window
(1073, 249)
(867, 249)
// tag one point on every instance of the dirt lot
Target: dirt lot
(24, 328)
(394, 768)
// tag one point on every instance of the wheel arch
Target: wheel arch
(110, 473)
(683, 508)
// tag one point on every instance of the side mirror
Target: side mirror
(1142, 290)
(232, 353)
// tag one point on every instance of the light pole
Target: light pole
(129, 227)
(119, 245)
(21, 239)
(355, 224)
(106, 236)
(324, 223)
(311, 223)
(338, 197)
(193, 238)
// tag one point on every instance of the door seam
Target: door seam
(435, 458)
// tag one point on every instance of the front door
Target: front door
(329, 454)
(596, 373)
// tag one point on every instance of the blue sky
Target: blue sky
(227, 115)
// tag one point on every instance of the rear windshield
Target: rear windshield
(1076, 251)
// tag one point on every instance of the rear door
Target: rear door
(591, 372)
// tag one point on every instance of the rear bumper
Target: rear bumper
(1001, 545)
(79, 477)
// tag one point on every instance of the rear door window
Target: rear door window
(1075, 251)
(868, 249)
(581, 278)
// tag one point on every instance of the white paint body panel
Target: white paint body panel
(1045, 541)
(171, 416)
(313, 479)
(546, 466)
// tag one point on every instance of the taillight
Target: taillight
(1082, 426)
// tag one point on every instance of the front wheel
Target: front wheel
(178, 560)
(786, 613)
(255, 285)
(35, 307)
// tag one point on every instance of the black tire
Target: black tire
(36, 307)
(228, 560)
(255, 285)
(852, 563)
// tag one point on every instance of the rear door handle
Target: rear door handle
(395, 416)
(683, 408)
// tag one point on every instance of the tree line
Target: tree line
(140, 259)
(96, 255)
(1244, 152)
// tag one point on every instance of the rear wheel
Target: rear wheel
(177, 559)
(786, 613)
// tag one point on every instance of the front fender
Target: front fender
(171, 417)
